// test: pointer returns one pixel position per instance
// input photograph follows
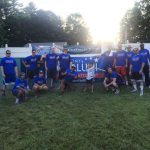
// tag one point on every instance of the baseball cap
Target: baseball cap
(8, 52)
(73, 65)
(41, 71)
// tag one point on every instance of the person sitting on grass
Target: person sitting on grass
(39, 83)
(90, 77)
(112, 80)
(20, 89)
(69, 75)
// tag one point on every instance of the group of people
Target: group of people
(123, 67)
(129, 67)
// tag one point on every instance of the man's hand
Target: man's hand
(3, 75)
(27, 66)
(130, 73)
(140, 72)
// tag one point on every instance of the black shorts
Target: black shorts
(90, 81)
(31, 73)
(136, 76)
(52, 73)
(60, 74)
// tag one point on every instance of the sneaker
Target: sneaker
(134, 90)
(117, 92)
(141, 93)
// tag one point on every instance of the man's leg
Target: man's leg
(36, 89)
(146, 73)
(62, 86)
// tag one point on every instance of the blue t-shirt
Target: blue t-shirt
(136, 62)
(121, 57)
(51, 61)
(8, 64)
(129, 55)
(70, 75)
(20, 83)
(39, 80)
(108, 59)
(145, 54)
(32, 61)
(113, 75)
(64, 60)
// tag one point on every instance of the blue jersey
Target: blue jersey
(129, 55)
(114, 75)
(136, 62)
(121, 57)
(108, 59)
(32, 61)
(64, 60)
(20, 84)
(51, 61)
(70, 75)
(8, 64)
(145, 54)
(39, 80)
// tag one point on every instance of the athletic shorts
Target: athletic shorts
(121, 70)
(15, 92)
(31, 73)
(52, 73)
(10, 78)
(136, 76)
(90, 81)
(60, 74)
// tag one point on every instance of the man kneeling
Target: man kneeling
(69, 75)
(39, 83)
(20, 89)
(111, 80)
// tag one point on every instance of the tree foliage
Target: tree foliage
(135, 25)
(19, 25)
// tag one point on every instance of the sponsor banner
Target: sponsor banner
(81, 62)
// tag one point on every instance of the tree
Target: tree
(76, 30)
(135, 25)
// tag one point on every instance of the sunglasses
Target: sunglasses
(8, 53)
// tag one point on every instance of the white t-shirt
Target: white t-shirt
(90, 73)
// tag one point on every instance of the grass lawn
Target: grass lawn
(76, 121)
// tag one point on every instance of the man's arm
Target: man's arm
(142, 66)
(16, 71)
(2, 71)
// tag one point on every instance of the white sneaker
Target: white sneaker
(17, 101)
(134, 90)
(141, 93)
(117, 92)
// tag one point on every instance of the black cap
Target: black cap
(8, 52)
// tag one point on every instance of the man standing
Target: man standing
(64, 63)
(30, 64)
(146, 57)
(120, 63)
(136, 70)
(9, 70)
(51, 62)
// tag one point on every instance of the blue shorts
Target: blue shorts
(15, 92)
(10, 78)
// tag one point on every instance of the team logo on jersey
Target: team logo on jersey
(9, 61)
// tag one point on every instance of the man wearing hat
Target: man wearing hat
(146, 58)
(21, 88)
(30, 64)
(69, 76)
(136, 69)
(9, 70)
(39, 83)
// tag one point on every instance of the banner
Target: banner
(81, 62)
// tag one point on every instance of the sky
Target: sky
(102, 16)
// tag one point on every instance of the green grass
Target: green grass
(76, 121)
